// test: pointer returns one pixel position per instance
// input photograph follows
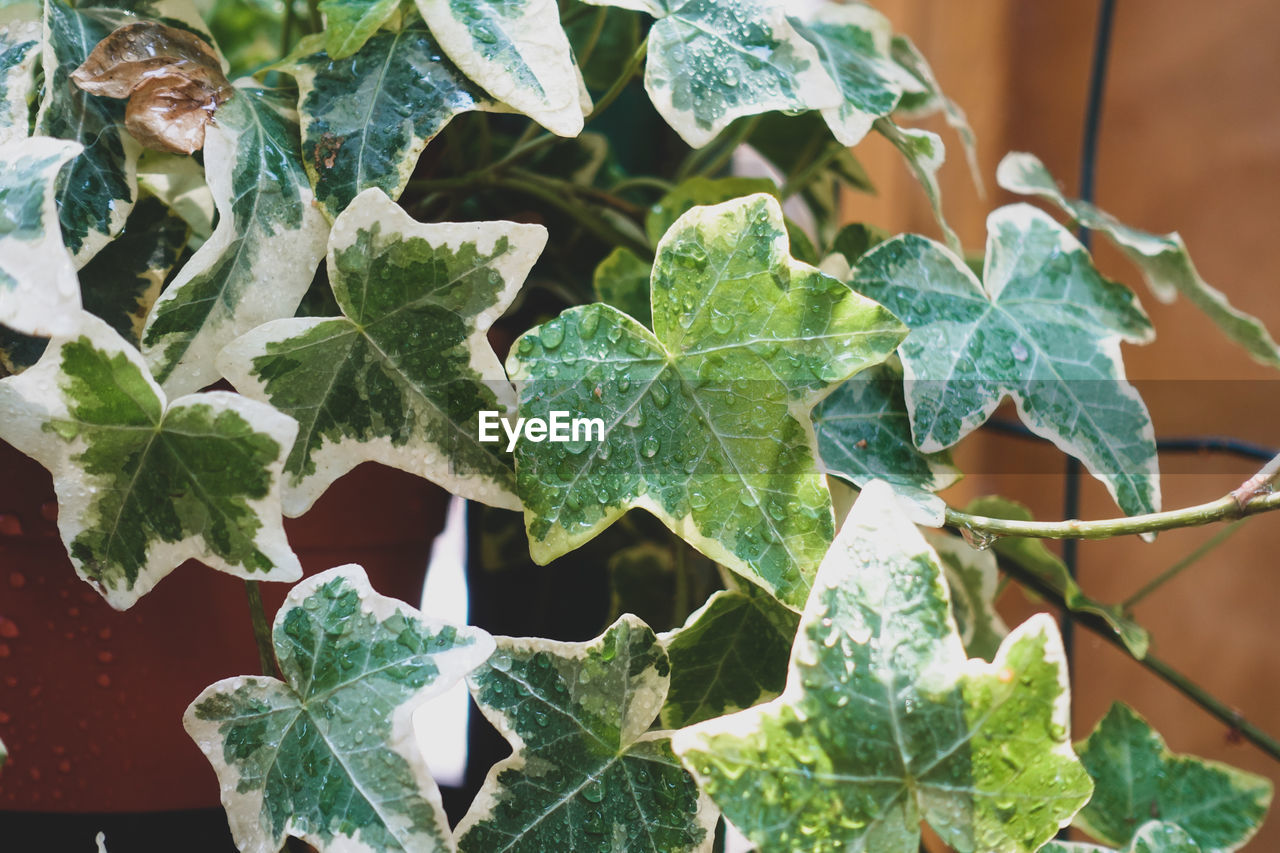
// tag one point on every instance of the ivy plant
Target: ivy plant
(501, 245)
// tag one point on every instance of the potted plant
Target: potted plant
(499, 247)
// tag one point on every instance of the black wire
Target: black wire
(1179, 444)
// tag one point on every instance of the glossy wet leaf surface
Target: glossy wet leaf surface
(144, 483)
(1043, 328)
(21, 38)
(706, 417)
(622, 280)
(329, 754)
(1154, 836)
(586, 774)
(972, 579)
(1163, 259)
(261, 257)
(367, 118)
(402, 375)
(349, 24)
(884, 723)
(1137, 778)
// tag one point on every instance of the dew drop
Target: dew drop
(978, 539)
(649, 447)
(552, 334)
(722, 324)
(590, 323)
(1019, 351)
(593, 791)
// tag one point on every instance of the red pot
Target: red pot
(91, 699)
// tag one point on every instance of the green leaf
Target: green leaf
(731, 654)
(401, 377)
(972, 577)
(1045, 329)
(864, 434)
(853, 43)
(925, 154)
(143, 483)
(1163, 260)
(348, 24)
(695, 192)
(39, 294)
(711, 62)
(586, 772)
(517, 51)
(706, 417)
(1154, 836)
(179, 182)
(366, 119)
(622, 280)
(927, 97)
(1136, 778)
(98, 189)
(21, 35)
(329, 754)
(884, 723)
(1033, 556)
(261, 257)
(122, 281)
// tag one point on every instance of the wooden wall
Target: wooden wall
(1190, 141)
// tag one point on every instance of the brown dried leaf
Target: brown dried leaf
(172, 78)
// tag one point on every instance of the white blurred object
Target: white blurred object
(441, 724)
(749, 163)
(734, 841)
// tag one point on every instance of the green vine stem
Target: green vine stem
(261, 630)
(1175, 679)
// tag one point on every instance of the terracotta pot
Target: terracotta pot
(91, 699)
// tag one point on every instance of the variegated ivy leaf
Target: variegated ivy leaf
(1154, 836)
(706, 418)
(1136, 778)
(144, 483)
(1163, 259)
(731, 654)
(864, 434)
(402, 376)
(366, 119)
(1045, 328)
(972, 578)
(21, 34)
(1034, 557)
(329, 754)
(622, 280)
(884, 723)
(518, 52)
(39, 294)
(586, 774)
(927, 97)
(348, 24)
(853, 43)
(925, 154)
(98, 189)
(261, 257)
(712, 61)
(179, 182)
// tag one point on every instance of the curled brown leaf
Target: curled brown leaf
(172, 78)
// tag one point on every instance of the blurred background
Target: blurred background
(1190, 141)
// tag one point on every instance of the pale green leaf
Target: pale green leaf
(884, 723)
(972, 577)
(261, 257)
(706, 419)
(1044, 329)
(1136, 778)
(586, 774)
(366, 119)
(329, 755)
(1035, 557)
(21, 34)
(348, 24)
(864, 434)
(39, 294)
(699, 191)
(401, 377)
(924, 153)
(731, 654)
(143, 483)
(853, 43)
(179, 182)
(1163, 259)
(927, 97)
(711, 62)
(622, 280)
(515, 50)
(1154, 836)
